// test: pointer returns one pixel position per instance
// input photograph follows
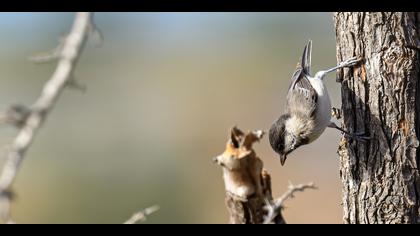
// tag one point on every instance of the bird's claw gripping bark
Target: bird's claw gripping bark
(350, 62)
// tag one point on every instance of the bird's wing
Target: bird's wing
(301, 97)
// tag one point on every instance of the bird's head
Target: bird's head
(282, 140)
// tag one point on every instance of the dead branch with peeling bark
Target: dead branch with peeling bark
(248, 186)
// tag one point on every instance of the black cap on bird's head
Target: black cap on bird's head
(277, 137)
(282, 141)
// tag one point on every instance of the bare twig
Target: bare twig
(51, 55)
(142, 215)
(95, 33)
(273, 208)
(15, 115)
(67, 55)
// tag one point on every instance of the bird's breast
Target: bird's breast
(323, 110)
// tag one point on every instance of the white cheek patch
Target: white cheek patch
(295, 125)
(288, 141)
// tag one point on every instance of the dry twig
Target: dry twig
(141, 215)
(67, 54)
(274, 208)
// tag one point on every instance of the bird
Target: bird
(308, 108)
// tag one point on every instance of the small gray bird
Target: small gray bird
(308, 108)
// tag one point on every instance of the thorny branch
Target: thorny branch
(141, 215)
(29, 120)
(273, 208)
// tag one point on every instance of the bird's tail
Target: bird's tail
(306, 58)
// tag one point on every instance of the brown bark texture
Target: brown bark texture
(380, 97)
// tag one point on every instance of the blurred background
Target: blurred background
(162, 92)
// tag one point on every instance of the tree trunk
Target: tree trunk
(381, 182)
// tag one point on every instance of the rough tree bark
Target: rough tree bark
(381, 182)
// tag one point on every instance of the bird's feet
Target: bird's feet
(350, 62)
(336, 113)
(359, 136)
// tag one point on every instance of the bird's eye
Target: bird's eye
(280, 146)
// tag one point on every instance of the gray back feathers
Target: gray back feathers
(302, 97)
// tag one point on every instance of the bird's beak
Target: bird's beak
(283, 159)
